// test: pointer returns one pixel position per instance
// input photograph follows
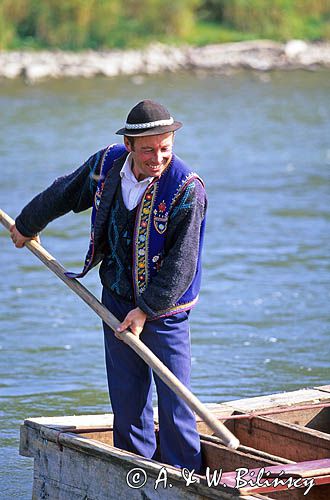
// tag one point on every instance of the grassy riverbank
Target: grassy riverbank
(99, 24)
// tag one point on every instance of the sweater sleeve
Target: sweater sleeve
(181, 253)
(69, 192)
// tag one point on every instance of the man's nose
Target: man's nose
(158, 157)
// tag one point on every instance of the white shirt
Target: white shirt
(132, 189)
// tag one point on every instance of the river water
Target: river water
(262, 144)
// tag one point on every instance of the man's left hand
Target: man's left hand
(134, 320)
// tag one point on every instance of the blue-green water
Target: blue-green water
(262, 145)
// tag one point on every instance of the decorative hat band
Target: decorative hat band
(158, 123)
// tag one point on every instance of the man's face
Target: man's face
(151, 154)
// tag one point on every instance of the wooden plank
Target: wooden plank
(72, 475)
(303, 484)
(76, 421)
(324, 388)
(283, 399)
(321, 421)
(318, 419)
(314, 490)
(219, 412)
(248, 450)
(279, 438)
(304, 475)
(321, 492)
(292, 494)
(217, 455)
(302, 469)
(102, 437)
(311, 469)
(203, 429)
(24, 448)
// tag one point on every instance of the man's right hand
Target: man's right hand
(18, 239)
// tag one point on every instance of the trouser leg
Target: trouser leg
(129, 382)
(169, 339)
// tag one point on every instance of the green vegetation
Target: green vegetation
(274, 19)
(98, 24)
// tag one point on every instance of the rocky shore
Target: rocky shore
(260, 55)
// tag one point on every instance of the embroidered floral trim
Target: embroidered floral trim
(142, 238)
(176, 309)
(157, 262)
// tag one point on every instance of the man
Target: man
(147, 230)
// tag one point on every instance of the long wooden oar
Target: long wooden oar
(132, 340)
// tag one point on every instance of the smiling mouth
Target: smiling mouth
(161, 166)
(156, 167)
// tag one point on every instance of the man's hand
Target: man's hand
(18, 239)
(134, 320)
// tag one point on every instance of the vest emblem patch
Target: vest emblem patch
(161, 218)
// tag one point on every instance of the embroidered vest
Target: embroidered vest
(116, 267)
(153, 212)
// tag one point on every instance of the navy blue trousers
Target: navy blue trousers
(130, 389)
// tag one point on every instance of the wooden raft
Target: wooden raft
(74, 457)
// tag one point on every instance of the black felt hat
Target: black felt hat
(148, 118)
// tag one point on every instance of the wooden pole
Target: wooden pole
(132, 340)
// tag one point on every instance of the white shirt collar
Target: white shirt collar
(127, 172)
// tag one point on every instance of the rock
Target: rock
(293, 48)
(131, 62)
(110, 63)
(316, 55)
(11, 70)
(39, 71)
(259, 55)
(159, 57)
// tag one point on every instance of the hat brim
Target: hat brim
(150, 131)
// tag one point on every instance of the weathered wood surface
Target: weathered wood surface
(216, 454)
(72, 466)
(291, 442)
(248, 450)
(322, 492)
(234, 460)
(283, 399)
(305, 476)
(79, 468)
(313, 418)
(309, 468)
(325, 388)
